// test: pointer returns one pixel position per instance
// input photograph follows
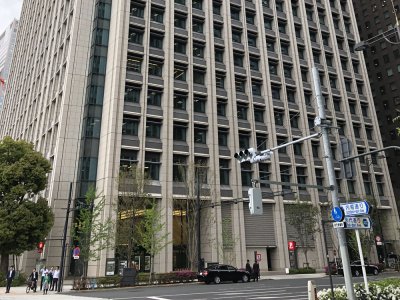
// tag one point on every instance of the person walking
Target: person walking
(256, 270)
(34, 278)
(10, 276)
(56, 275)
(51, 272)
(43, 271)
(248, 268)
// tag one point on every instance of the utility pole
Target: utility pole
(64, 240)
(198, 209)
(332, 182)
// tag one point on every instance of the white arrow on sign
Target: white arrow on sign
(339, 225)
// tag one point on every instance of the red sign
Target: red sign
(378, 240)
(291, 245)
(76, 252)
(258, 256)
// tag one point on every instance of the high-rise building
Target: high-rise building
(376, 24)
(171, 85)
(7, 43)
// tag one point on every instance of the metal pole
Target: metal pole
(332, 182)
(198, 222)
(63, 250)
(362, 260)
(327, 258)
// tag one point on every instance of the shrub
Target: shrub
(302, 271)
(383, 289)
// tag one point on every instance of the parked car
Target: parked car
(356, 269)
(219, 272)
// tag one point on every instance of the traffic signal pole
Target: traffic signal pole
(332, 182)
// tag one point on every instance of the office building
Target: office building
(377, 21)
(169, 85)
(7, 43)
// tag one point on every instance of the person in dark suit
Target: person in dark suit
(256, 270)
(34, 278)
(249, 269)
(10, 277)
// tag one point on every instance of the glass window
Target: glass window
(152, 165)
(153, 128)
(198, 26)
(256, 88)
(250, 17)
(179, 168)
(199, 104)
(252, 39)
(282, 27)
(291, 95)
(154, 97)
(180, 21)
(198, 4)
(297, 149)
(219, 55)
(315, 149)
(220, 80)
(258, 114)
(254, 63)
(180, 101)
(221, 108)
(279, 115)
(276, 92)
(238, 59)
(301, 177)
(273, 67)
(236, 36)
(132, 93)
(180, 46)
(135, 36)
(267, 23)
(130, 126)
(157, 15)
(246, 174)
(287, 70)
(244, 140)
(285, 173)
(155, 68)
(217, 30)
(271, 45)
(285, 48)
(224, 171)
(264, 174)
(240, 84)
(200, 135)
(156, 41)
(199, 76)
(242, 112)
(223, 136)
(294, 120)
(137, 10)
(128, 158)
(235, 13)
(179, 73)
(180, 132)
(198, 50)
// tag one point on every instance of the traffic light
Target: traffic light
(255, 204)
(40, 247)
(246, 155)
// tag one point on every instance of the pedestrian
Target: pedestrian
(56, 275)
(248, 268)
(51, 272)
(46, 283)
(43, 271)
(34, 278)
(10, 276)
(256, 270)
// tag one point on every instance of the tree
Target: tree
(92, 233)
(25, 218)
(304, 218)
(152, 235)
(131, 202)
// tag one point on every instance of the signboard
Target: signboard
(291, 245)
(356, 208)
(337, 214)
(110, 266)
(258, 256)
(76, 252)
(357, 222)
(378, 240)
(339, 225)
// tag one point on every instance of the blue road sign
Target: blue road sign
(337, 214)
(356, 208)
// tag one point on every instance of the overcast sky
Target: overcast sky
(9, 9)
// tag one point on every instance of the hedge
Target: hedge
(20, 279)
(302, 271)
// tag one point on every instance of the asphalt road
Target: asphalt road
(284, 289)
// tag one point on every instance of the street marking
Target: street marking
(157, 298)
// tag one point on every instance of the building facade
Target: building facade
(168, 85)
(376, 20)
(7, 43)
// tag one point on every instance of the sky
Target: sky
(9, 9)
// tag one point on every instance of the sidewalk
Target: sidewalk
(20, 291)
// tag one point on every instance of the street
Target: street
(264, 289)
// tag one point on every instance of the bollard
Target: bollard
(312, 290)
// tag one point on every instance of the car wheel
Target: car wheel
(217, 280)
(245, 278)
(356, 273)
(376, 272)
